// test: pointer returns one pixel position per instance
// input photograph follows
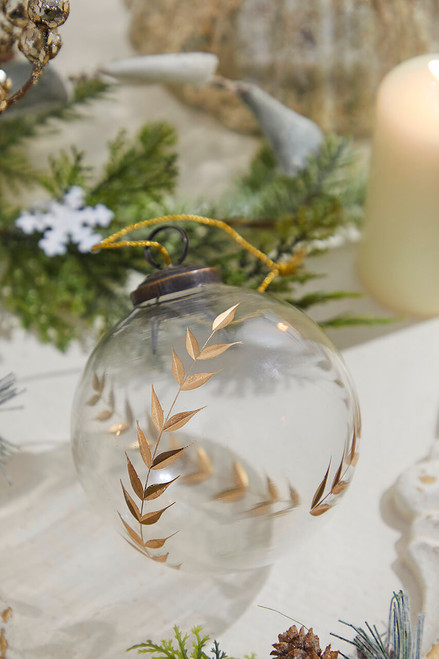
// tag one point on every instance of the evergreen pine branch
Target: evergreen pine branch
(400, 641)
(217, 652)
(138, 172)
(181, 641)
(199, 643)
(346, 320)
(322, 297)
(166, 650)
(66, 170)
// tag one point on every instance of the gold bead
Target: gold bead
(9, 28)
(5, 86)
(54, 43)
(16, 12)
(51, 13)
(33, 44)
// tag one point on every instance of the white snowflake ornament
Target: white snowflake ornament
(66, 221)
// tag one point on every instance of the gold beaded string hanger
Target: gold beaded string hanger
(32, 26)
(284, 268)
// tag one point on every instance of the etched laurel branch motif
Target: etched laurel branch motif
(144, 491)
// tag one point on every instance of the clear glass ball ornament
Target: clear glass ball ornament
(271, 445)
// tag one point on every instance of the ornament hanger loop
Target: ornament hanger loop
(283, 268)
(185, 242)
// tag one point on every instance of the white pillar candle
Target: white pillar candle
(399, 253)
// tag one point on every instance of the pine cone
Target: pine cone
(301, 645)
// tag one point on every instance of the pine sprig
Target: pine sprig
(322, 297)
(61, 298)
(347, 320)
(139, 172)
(166, 649)
(401, 641)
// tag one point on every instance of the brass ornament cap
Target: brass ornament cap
(16, 12)
(174, 280)
(34, 43)
(51, 13)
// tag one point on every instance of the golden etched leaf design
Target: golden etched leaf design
(191, 344)
(6, 615)
(152, 518)
(95, 383)
(353, 456)
(337, 477)
(131, 532)
(240, 475)
(161, 559)
(209, 352)
(156, 543)
(272, 490)
(106, 414)
(94, 399)
(129, 416)
(204, 471)
(144, 448)
(340, 487)
(152, 431)
(4, 645)
(197, 380)
(167, 457)
(294, 496)
(156, 411)
(118, 429)
(177, 368)
(230, 495)
(179, 420)
(261, 509)
(136, 483)
(131, 505)
(320, 510)
(141, 550)
(154, 491)
(321, 488)
(224, 318)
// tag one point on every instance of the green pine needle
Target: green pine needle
(181, 649)
(346, 320)
(401, 641)
(322, 297)
(62, 298)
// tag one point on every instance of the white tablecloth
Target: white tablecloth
(78, 591)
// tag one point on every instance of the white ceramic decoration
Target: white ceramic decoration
(293, 137)
(182, 68)
(416, 496)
